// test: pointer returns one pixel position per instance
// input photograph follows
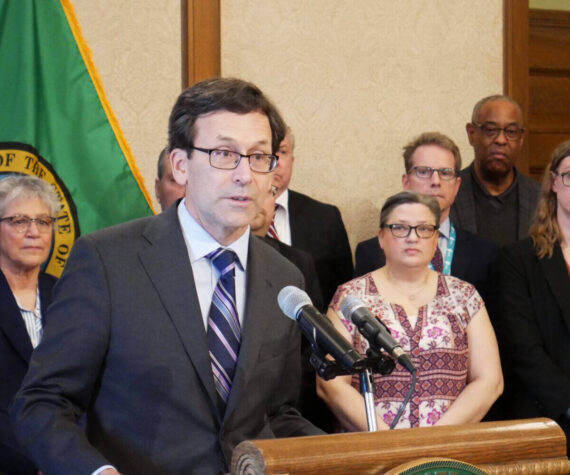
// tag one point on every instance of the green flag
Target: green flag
(55, 123)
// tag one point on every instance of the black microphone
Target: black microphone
(374, 330)
(297, 305)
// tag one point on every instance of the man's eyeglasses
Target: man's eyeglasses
(512, 132)
(22, 223)
(228, 160)
(423, 231)
(427, 172)
(565, 177)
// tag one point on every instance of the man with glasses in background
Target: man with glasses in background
(432, 162)
(495, 200)
(165, 333)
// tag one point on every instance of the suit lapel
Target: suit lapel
(294, 212)
(254, 323)
(168, 267)
(525, 195)
(463, 209)
(556, 275)
(12, 324)
(461, 258)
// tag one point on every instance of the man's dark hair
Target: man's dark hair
(210, 95)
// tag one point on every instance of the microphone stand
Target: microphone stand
(367, 391)
(375, 361)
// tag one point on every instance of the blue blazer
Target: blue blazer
(15, 352)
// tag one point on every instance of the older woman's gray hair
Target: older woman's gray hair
(17, 187)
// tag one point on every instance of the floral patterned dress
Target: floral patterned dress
(437, 345)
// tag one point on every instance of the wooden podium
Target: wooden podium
(530, 446)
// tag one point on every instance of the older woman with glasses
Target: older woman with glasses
(534, 305)
(439, 320)
(28, 207)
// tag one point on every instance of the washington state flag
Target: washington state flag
(55, 123)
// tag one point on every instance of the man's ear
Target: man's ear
(179, 162)
(405, 181)
(470, 129)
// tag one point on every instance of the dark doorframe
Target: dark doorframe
(201, 42)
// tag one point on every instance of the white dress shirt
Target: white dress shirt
(281, 219)
(199, 244)
(33, 319)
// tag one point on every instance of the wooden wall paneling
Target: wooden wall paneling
(515, 57)
(201, 44)
(549, 85)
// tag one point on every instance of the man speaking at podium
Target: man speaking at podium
(165, 332)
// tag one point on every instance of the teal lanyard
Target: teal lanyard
(448, 252)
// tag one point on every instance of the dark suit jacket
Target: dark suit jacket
(463, 209)
(534, 332)
(473, 259)
(311, 406)
(15, 352)
(126, 345)
(304, 262)
(317, 228)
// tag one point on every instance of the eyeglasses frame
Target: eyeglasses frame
(209, 151)
(410, 227)
(10, 221)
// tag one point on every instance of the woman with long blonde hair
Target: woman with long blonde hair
(534, 305)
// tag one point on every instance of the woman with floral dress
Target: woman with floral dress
(439, 320)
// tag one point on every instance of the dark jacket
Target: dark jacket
(15, 352)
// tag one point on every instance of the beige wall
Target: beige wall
(354, 79)
(358, 79)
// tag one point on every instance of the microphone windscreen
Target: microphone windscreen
(291, 299)
(348, 305)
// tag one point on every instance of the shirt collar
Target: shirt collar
(444, 228)
(200, 243)
(37, 311)
(283, 200)
(505, 193)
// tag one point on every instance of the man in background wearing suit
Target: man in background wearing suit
(311, 406)
(432, 162)
(165, 331)
(310, 225)
(166, 190)
(495, 200)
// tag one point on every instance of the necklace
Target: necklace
(410, 295)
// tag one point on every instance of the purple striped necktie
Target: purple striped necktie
(223, 332)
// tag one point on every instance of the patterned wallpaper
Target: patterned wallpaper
(355, 80)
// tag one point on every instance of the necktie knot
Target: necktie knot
(224, 260)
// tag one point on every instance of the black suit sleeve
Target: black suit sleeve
(521, 332)
(368, 257)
